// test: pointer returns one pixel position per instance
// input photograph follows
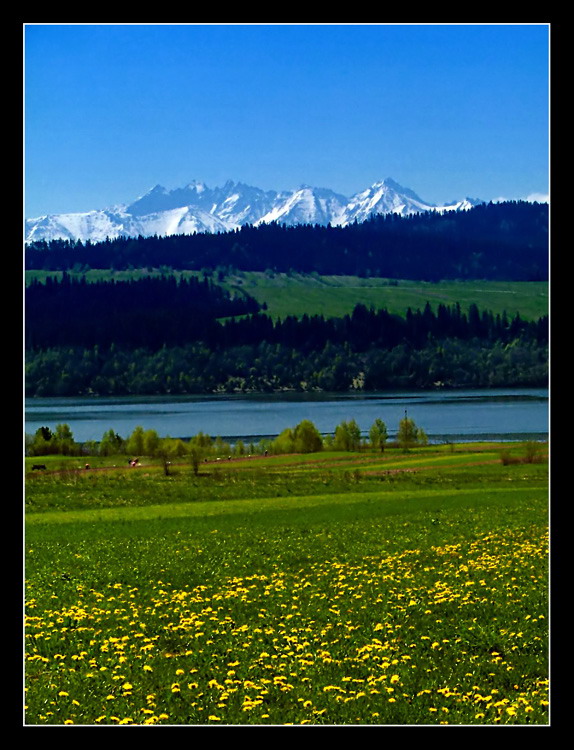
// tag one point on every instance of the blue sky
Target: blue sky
(447, 110)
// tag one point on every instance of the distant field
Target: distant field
(335, 296)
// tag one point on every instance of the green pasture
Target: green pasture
(335, 296)
(323, 589)
(66, 485)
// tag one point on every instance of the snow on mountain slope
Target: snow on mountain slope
(306, 205)
(198, 208)
(388, 196)
(96, 226)
(93, 225)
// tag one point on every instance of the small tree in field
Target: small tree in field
(347, 436)
(306, 438)
(284, 442)
(410, 435)
(199, 448)
(533, 452)
(378, 435)
(111, 444)
(422, 437)
(42, 442)
(64, 440)
(151, 443)
(135, 442)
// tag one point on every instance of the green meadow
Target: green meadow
(335, 296)
(333, 588)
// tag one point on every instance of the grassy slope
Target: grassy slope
(334, 296)
(338, 295)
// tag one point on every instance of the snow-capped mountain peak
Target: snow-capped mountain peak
(198, 208)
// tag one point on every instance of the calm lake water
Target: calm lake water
(469, 415)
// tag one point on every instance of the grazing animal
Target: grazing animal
(38, 467)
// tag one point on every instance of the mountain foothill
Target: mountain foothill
(184, 333)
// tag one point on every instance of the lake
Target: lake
(459, 415)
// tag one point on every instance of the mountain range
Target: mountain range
(198, 208)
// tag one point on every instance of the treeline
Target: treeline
(504, 241)
(367, 328)
(158, 312)
(266, 367)
(303, 438)
(149, 312)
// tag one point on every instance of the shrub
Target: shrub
(532, 452)
(506, 458)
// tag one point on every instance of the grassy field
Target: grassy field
(331, 588)
(335, 296)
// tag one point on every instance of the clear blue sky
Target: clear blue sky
(447, 110)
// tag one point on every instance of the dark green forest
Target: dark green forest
(149, 312)
(161, 336)
(499, 241)
(164, 335)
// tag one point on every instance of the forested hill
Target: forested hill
(498, 241)
(150, 312)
